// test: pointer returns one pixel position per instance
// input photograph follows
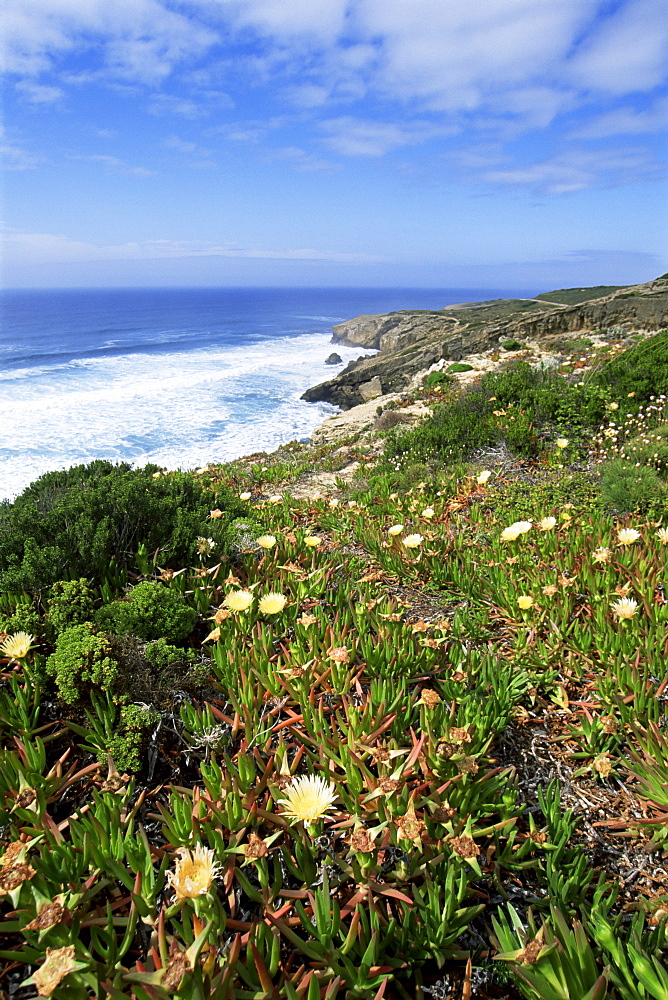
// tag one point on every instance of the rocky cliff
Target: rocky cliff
(411, 341)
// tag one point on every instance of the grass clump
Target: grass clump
(81, 521)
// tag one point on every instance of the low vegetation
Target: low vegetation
(405, 740)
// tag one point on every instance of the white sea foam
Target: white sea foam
(179, 410)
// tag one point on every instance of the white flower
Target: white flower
(513, 531)
(428, 512)
(662, 535)
(627, 536)
(396, 529)
(266, 541)
(205, 545)
(625, 607)
(18, 645)
(547, 523)
(484, 476)
(238, 600)
(276, 498)
(602, 555)
(272, 603)
(194, 872)
(412, 541)
(245, 496)
(308, 798)
(312, 541)
(562, 443)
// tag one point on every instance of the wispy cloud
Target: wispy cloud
(116, 165)
(16, 158)
(577, 169)
(353, 137)
(34, 248)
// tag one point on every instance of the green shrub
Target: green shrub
(642, 370)
(532, 405)
(626, 489)
(75, 523)
(129, 739)
(437, 379)
(82, 658)
(459, 366)
(71, 602)
(24, 618)
(512, 345)
(150, 611)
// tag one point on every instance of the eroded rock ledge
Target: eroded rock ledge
(411, 341)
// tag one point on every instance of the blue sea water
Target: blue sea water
(176, 376)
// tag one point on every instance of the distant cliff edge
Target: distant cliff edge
(410, 341)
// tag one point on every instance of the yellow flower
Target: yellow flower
(484, 476)
(245, 496)
(662, 535)
(412, 541)
(513, 531)
(308, 798)
(547, 523)
(525, 602)
(238, 600)
(266, 541)
(428, 512)
(602, 555)
(18, 645)
(625, 607)
(613, 406)
(562, 443)
(272, 603)
(312, 541)
(396, 529)
(57, 964)
(627, 536)
(194, 872)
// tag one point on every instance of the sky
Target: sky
(443, 143)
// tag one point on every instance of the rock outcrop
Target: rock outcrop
(410, 341)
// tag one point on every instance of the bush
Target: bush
(642, 370)
(75, 523)
(459, 366)
(24, 618)
(437, 379)
(626, 489)
(71, 602)
(512, 345)
(151, 611)
(82, 658)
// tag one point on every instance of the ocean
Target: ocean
(176, 376)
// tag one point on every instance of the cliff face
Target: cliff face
(411, 340)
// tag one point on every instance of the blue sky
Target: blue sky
(467, 143)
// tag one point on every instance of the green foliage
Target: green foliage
(127, 741)
(150, 611)
(459, 366)
(523, 405)
(512, 345)
(82, 658)
(642, 370)
(544, 493)
(75, 523)
(626, 489)
(24, 618)
(438, 379)
(650, 448)
(71, 602)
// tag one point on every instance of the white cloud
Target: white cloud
(139, 39)
(36, 248)
(626, 52)
(15, 158)
(36, 93)
(354, 137)
(116, 165)
(322, 21)
(626, 121)
(577, 169)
